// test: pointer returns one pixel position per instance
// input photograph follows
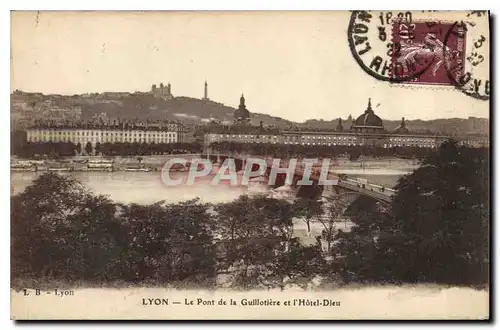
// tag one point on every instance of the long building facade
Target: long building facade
(366, 130)
(325, 138)
(93, 134)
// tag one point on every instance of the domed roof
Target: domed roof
(241, 113)
(369, 118)
(402, 128)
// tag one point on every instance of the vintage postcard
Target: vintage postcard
(321, 165)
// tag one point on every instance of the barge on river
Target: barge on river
(100, 165)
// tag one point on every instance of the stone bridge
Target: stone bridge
(338, 184)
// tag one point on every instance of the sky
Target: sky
(295, 65)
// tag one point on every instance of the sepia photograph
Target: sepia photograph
(250, 165)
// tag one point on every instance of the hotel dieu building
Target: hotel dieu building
(366, 130)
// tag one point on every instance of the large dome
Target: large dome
(369, 118)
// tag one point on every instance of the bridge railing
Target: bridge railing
(385, 195)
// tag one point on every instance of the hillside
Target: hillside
(26, 108)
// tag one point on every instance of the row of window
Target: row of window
(399, 139)
(345, 138)
(475, 142)
(105, 134)
(340, 143)
(285, 138)
(246, 136)
(321, 140)
(94, 140)
(293, 138)
(309, 137)
(425, 145)
(420, 141)
(78, 133)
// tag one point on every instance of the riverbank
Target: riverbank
(97, 163)
(376, 166)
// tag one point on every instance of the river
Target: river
(147, 187)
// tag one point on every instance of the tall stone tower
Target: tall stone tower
(205, 94)
(242, 115)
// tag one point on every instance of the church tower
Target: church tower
(242, 105)
(205, 95)
(402, 128)
(242, 115)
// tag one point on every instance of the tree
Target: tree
(168, 242)
(78, 148)
(17, 141)
(98, 148)
(354, 154)
(297, 265)
(88, 148)
(253, 232)
(356, 252)
(437, 230)
(91, 239)
(60, 230)
(442, 210)
(308, 209)
(335, 209)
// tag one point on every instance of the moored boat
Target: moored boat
(137, 169)
(100, 165)
(61, 169)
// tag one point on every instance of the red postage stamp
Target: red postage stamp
(426, 51)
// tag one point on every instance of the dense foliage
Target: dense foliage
(61, 231)
(436, 230)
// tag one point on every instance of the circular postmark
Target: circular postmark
(447, 49)
(466, 58)
(379, 42)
